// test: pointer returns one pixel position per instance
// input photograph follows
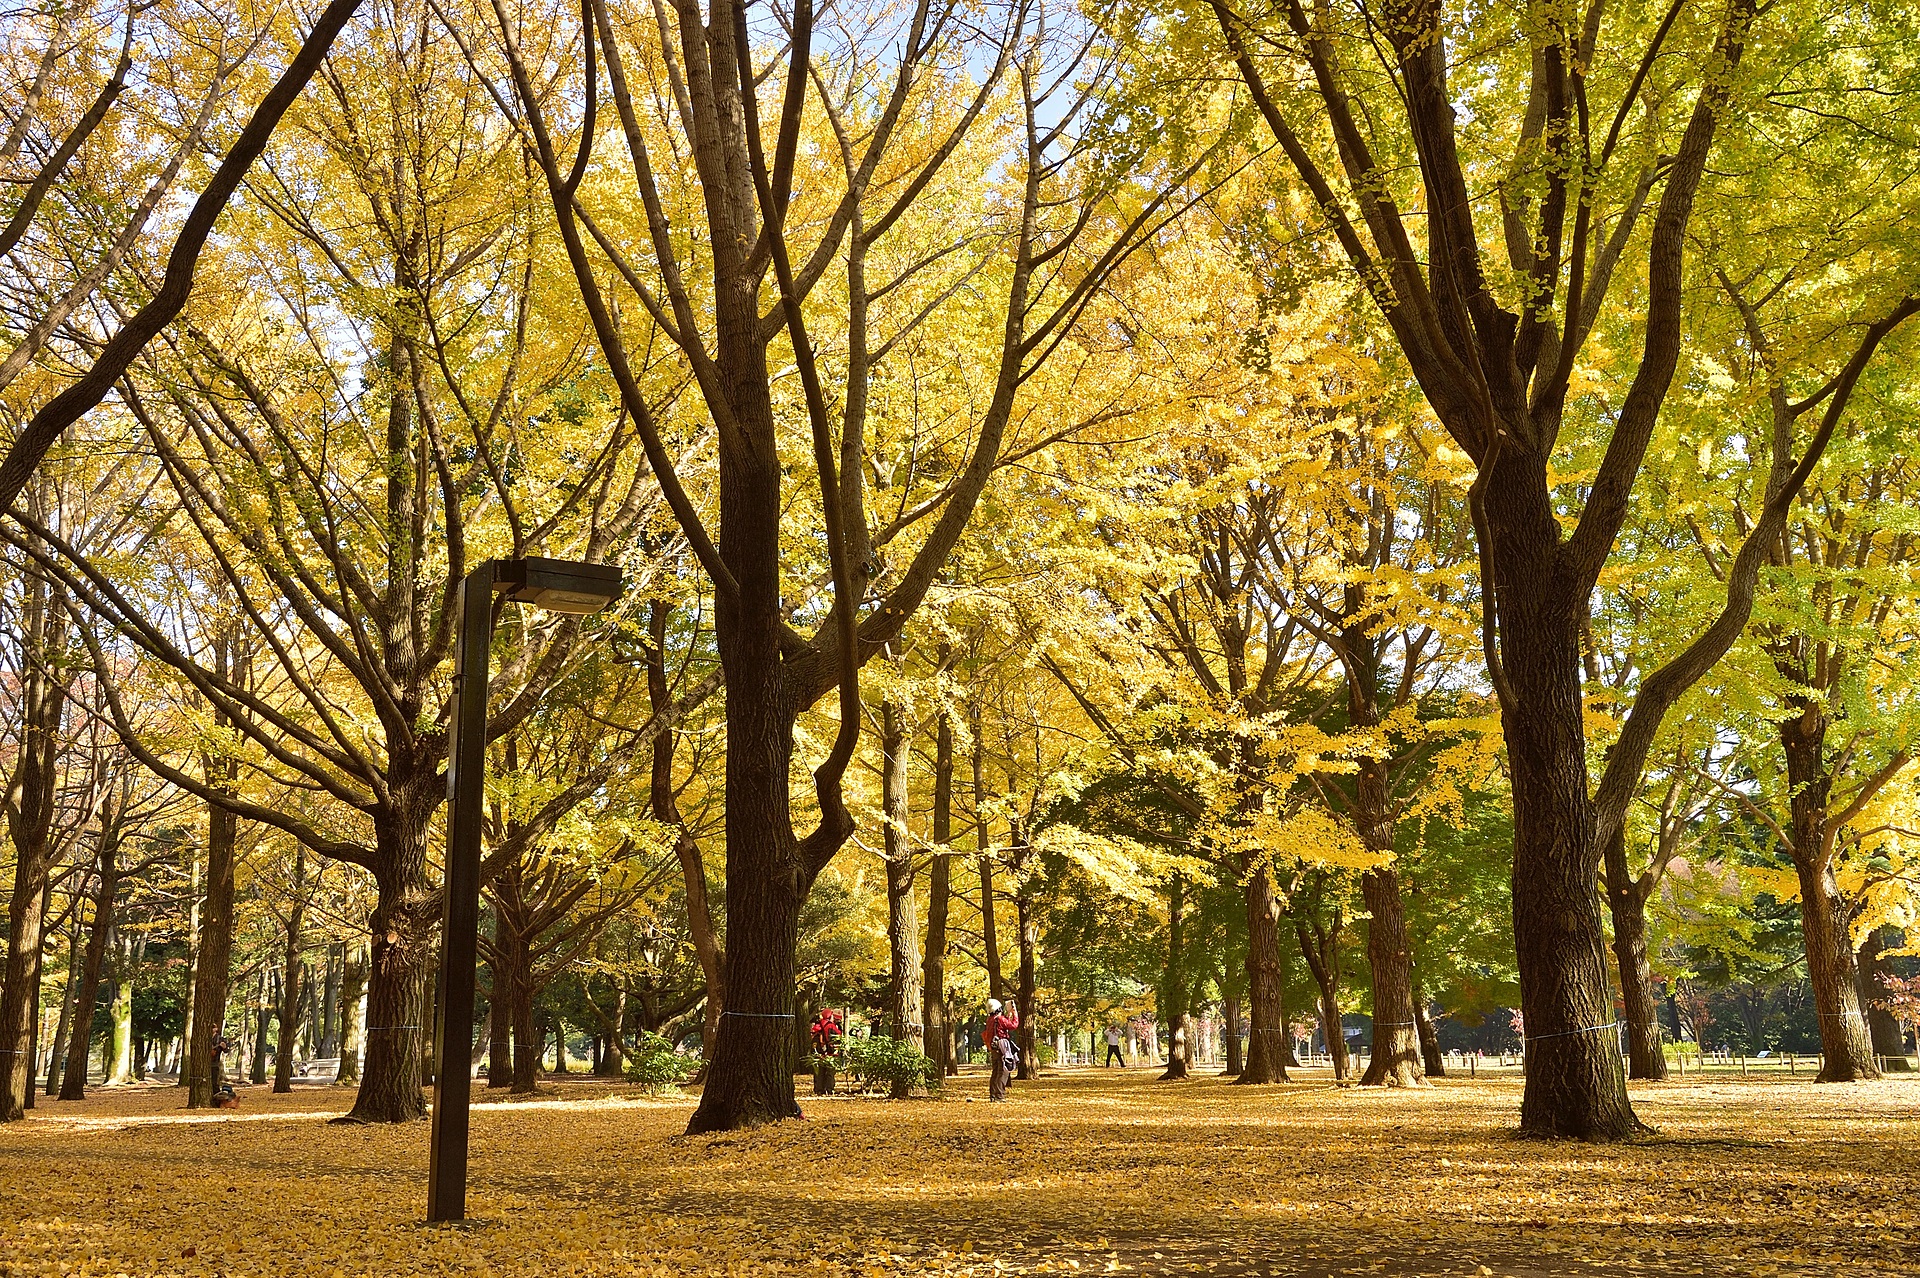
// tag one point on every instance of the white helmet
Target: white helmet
(993, 1005)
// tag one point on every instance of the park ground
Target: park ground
(1082, 1172)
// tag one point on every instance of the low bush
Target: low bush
(656, 1066)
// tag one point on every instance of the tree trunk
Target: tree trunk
(989, 923)
(506, 1012)
(904, 990)
(62, 1032)
(213, 958)
(262, 1017)
(529, 1045)
(1029, 922)
(1396, 1039)
(933, 971)
(353, 987)
(73, 1083)
(29, 806)
(1231, 1007)
(1845, 1044)
(1321, 949)
(126, 962)
(291, 978)
(402, 954)
(1396, 1060)
(613, 1057)
(1436, 1063)
(1266, 1048)
(1627, 900)
(693, 868)
(1173, 984)
(330, 1006)
(1889, 1043)
(1575, 1085)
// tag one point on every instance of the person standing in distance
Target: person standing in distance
(1113, 1048)
(1002, 1049)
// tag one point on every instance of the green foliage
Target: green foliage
(657, 1067)
(878, 1061)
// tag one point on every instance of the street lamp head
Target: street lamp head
(559, 585)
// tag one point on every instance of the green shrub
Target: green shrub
(877, 1061)
(657, 1067)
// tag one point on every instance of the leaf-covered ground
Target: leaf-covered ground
(1082, 1172)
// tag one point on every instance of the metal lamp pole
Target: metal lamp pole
(560, 586)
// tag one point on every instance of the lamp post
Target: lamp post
(558, 585)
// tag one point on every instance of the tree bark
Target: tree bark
(1266, 1047)
(933, 971)
(1396, 1060)
(29, 803)
(1396, 1040)
(1575, 1085)
(262, 1017)
(1845, 1043)
(1235, 1064)
(329, 1047)
(63, 1031)
(666, 810)
(904, 991)
(1627, 900)
(73, 1082)
(401, 955)
(1435, 1061)
(989, 916)
(353, 988)
(213, 957)
(292, 978)
(1321, 948)
(529, 1045)
(1889, 1043)
(500, 1071)
(1029, 922)
(1173, 984)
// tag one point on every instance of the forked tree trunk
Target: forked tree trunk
(1627, 900)
(1266, 1043)
(1845, 1043)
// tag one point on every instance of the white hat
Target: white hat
(993, 1005)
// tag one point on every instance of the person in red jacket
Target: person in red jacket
(827, 1031)
(1003, 1023)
